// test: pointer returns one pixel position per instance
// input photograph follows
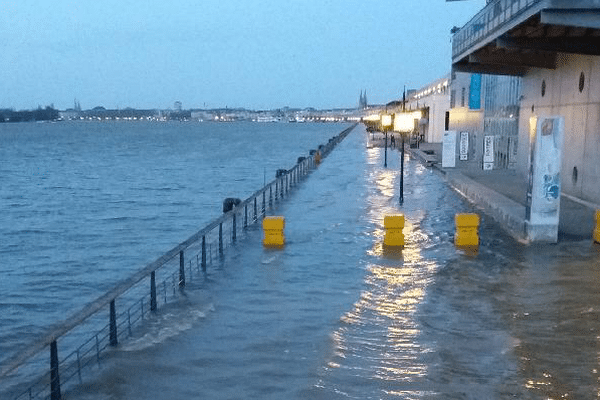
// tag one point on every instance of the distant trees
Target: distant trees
(40, 114)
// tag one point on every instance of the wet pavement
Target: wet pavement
(335, 315)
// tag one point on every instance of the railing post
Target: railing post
(203, 253)
(153, 303)
(270, 196)
(276, 188)
(234, 227)
(245, 215)
(54, 377)
(264, 203)
(255, 211)
(221, 239)
(181, 269)
(113, 324)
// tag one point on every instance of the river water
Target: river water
(334, 315)
(86, 204)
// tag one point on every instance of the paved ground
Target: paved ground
(503, 193)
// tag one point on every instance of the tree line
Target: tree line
(40, 114)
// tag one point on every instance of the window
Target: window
(462, 97)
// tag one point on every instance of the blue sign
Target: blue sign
(475, 92)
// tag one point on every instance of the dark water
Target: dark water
(335, 316)
(85, 204)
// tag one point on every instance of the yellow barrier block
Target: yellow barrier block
(466, 230)
(393, 225)
(273, 231)
(597, 230)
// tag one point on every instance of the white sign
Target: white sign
(488, 149)
(449, 149)
(464, 146)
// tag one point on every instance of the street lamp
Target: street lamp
(386, 123)
(403, 123)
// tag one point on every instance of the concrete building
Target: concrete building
(554, 46)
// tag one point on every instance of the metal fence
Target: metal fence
(157, 284)
(490, 19)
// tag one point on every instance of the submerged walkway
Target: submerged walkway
(333, 316)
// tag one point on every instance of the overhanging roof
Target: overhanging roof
(509, 37)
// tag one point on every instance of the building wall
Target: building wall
(581, 111)
(464, 120)
(501, 117)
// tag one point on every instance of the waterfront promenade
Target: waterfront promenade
(334, 315)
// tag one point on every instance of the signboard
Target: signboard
(488, 152)
(543, 193)
(464, 146)
(449, 149)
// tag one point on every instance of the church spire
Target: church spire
(362, 100)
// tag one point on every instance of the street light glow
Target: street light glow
(386, 120)
(372, 117)
(404, 122)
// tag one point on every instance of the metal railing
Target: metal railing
(493, 17)
(157, 284)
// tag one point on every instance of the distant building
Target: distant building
(433, 100)
(177, 106)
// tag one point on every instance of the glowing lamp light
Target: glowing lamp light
(386, 120)
(404, 122)
(372, 118)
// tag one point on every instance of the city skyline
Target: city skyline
(255, 55)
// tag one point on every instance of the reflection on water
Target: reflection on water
(555, 311)
(379, 338)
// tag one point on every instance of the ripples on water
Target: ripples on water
(85, 204)
(334, 316)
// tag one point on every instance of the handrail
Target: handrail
(494, 16)
(300, 170)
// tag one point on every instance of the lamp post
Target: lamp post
(403, 123)
(386, 123)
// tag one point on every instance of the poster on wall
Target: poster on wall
(449, 149)
(475, 92)
(543, 192)
(488, 153)
(464, 146)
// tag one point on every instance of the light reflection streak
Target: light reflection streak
(379, 337)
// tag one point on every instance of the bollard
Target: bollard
(597, 230)
(273, 231)
(466, 230)
(230, 203)
(393, 225)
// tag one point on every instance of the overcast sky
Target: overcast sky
(258, 54)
